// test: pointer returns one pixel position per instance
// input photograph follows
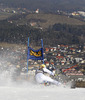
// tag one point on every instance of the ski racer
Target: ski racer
(41, 78)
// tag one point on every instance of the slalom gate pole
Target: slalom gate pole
(27, 54)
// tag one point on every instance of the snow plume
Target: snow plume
(12, 61)
(6, 72)
(10, 70)
(5, 78)
(11, 65)
(7, 66)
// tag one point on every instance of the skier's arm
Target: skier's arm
(48, 71)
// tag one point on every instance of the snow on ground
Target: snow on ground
(31, 91)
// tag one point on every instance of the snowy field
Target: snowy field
(31, 91)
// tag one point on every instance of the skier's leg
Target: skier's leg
(49, 79)
(40, 78)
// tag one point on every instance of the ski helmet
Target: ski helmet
(42, 66)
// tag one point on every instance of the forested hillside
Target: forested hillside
(44, 20)
(53, 29)
(57, 34)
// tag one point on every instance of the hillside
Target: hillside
(57, 34)
(44, 20)
(4, 15)
(56, 29)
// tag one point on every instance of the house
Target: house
(54, 48)
(33, 23)
(59, 57)
(78, 59)
(72, 49)
(37, 11)
(52, 63)
(62, 63)
(64, 46)
(47, 63)
(75, 13)
(59, 54)
(82, 13)
(46, 49)
(51, 49)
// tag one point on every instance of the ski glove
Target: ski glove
(52, 73)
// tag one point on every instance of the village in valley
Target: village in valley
(61, 57)
(64, 57)
(65, 60)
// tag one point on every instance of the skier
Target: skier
(41, 78)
